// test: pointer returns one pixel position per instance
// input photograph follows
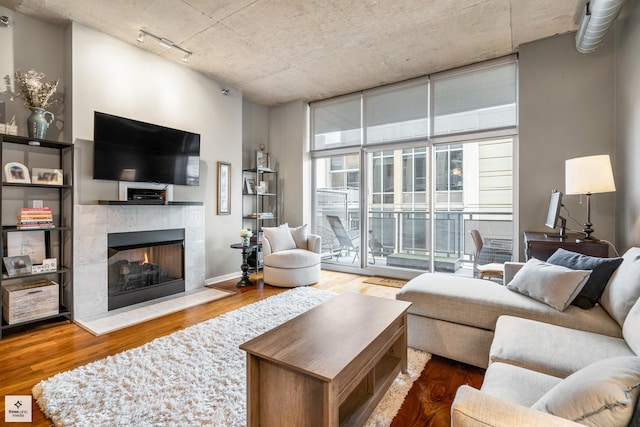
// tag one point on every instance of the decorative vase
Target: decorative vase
(37, 122)
(245, 241)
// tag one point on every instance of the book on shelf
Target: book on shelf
(261, 215)
(35, 218)
(34, 226)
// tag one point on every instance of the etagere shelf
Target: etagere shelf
(259, 202)
(54, 241)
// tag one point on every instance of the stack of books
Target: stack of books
(35, 218)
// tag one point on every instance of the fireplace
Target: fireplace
(144, 265)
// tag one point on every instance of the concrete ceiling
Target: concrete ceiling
(282, 50)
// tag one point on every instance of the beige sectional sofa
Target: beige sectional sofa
(531, 349)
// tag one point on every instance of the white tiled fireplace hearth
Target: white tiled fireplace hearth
(92, 225)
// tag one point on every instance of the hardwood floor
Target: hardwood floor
(29, 357)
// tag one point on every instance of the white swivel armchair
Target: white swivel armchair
(291, 256)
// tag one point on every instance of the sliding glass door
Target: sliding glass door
(424, 180)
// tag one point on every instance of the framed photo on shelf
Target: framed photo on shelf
(17, 265)
(46, 176)
(250, 185)
(262, 159)
(29, 243)
(17, 173)
(224, 188)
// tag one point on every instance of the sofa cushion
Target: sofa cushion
(601, 271)
(602, 394)
(506, 382)
(553, 285)
(299, 235)
(279, 237)
(292, 258)
(479, 303)
(623, 289)
(544, 342)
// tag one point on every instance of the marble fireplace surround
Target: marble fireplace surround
(92, 225)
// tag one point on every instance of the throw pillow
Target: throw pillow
(279, 237)
(601, 271)
(602, 394)
(551, 284)
(623, 289)
(300, 236)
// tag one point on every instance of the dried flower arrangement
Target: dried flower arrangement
(33, 90)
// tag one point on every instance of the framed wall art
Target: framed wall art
(29, 243)
(224, 188)
(16, 173)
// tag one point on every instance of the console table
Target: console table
(329, 366)
(537, 245)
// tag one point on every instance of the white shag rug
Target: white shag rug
(193, 377)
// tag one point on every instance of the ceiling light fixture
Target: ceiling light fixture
(164, 42)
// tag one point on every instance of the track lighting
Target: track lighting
(142, 35)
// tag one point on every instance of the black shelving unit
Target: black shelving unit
(58, 241)
(256, 203)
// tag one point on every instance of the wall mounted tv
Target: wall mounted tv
(130, 150)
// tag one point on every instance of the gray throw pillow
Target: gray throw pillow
(604, 393)
(601, 271)
(551, 284)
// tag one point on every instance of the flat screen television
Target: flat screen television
(131, 150)
(553, 215)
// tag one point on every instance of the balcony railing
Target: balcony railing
(405, 236)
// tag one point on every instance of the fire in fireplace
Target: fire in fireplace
(145, 265)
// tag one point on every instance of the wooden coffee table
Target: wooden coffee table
(329, 366)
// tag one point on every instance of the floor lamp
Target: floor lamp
(589, 175)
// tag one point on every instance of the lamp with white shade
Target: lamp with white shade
(589, 175)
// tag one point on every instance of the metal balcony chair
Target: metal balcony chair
(489, 269)
(344, 240)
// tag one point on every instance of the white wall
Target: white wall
(255, 131)
(111, 76)
(627, 172)
(288, 136)
(566, 110)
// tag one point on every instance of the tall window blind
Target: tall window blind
(336, 123)
(397, 112)
(479, 98)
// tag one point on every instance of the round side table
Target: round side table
(246, 250)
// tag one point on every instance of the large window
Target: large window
(429, 178)
(382, 177)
